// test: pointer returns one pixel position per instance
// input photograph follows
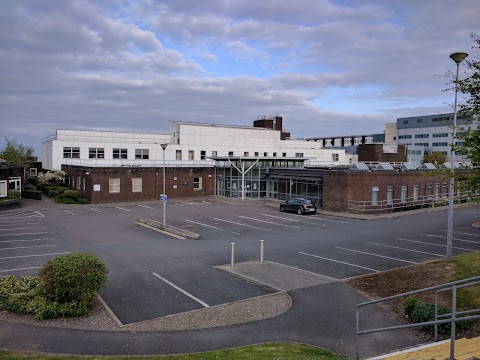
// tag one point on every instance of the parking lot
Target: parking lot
(152, 274)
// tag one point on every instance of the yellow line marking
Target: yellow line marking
(160, 231)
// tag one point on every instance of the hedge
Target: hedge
(32, 194)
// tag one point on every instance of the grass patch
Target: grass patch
(467, 266)
(277, 351)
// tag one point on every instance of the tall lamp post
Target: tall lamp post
(164, 146)
(458, 57)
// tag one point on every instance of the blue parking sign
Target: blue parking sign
(163, 197)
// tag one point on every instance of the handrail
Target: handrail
(452, 319)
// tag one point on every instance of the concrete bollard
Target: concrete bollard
(232, 256)
(261, 251)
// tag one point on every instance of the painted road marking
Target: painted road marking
(233, 232)
(382, 256)
(13, 214)
(19, 218)
(464, 233)
(19, 269)
(40, 214)
(26, 247)
(295, 220)
(400, 248)
(268, 222)
(233, 222)
(427, 243)
(210, 226)
(8, 241)
(95, 210)
(444, 237)
(145, 206)
(12, 229)
(25, 256)
(121, 208)
(337, 261)
(71, 213)
(42, 232)
(24, 223)
(181, 290)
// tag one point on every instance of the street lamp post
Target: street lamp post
(458, 58)
(164, 146)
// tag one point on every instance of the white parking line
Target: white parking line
(233, 222)
(19, 269)
(40, 214)
(25, 247)
(12, 229)
(19, 218)
(400, 248)
(25, 256)
(268, 222)
(95, 210)
(427, 243)
(118, 207)
(181, 290)
(337, 261)
(42, 232)
(145, 206)
(382, 256)
(295, 220)
(71, 213)
(464, 233)
(444, 237)
(8, 241)
(13, 214)
(198, 223)
(233, 232)
(23, 223)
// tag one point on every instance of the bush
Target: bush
(408, 305)
(29, 187)
(72, 278)
(426, 312)
(54, 190)
(13, 194)
(16, 293)
(32, 194)
(83, 201)
(71, 197)
(64, 200)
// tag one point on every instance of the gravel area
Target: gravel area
(254, 309)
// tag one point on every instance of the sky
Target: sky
(328, 67)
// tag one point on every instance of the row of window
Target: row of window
(440, 190)
(114, 184)
(99, 153)
(424, 136)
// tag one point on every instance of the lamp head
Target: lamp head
(458, 57)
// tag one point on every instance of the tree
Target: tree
(17, 154)
(468, 138)
(436, 158)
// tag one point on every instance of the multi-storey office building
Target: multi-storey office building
(432, 132)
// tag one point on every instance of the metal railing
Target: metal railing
(451, 318)
(357, 206)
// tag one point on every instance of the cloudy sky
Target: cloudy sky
(329, 67)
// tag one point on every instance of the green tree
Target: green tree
(17, 154)
(436, 158)
(468, 138)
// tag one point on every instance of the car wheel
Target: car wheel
(299, 211)
(282, 209)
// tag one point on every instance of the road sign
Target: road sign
(163, 197)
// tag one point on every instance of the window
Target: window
(416, 190)
(178, 154)
(405, 122)
(79, 182)
(299, 155)
(404, 194)
(197, 183)
(430, 191)
(3, 188)
(274, 154)
(265, 154)
(284, 154)
(445, 189)
(437, 119)
(136, 184)
(256, 153)
(390, 195)
(119, 153)
(214, 153)
(422, 136)
(375, 191)
(419, 121)
(440, 144)
(230, 153)
(437, 189)
(421, 144)
(405, 137)
(440, 135)
(245, 153)
(191, 155)
(33, 171)
(203, 155)
(142, 154)
(114, 185)
(335, 157)
(96, 153)
(71, 153)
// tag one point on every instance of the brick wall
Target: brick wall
(374, 152)
(179, 182)
(339, 187)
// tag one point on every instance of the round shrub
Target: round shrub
(13, 194)
(72, 278)
(29, 187)
(426, 312)
(32, 194)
